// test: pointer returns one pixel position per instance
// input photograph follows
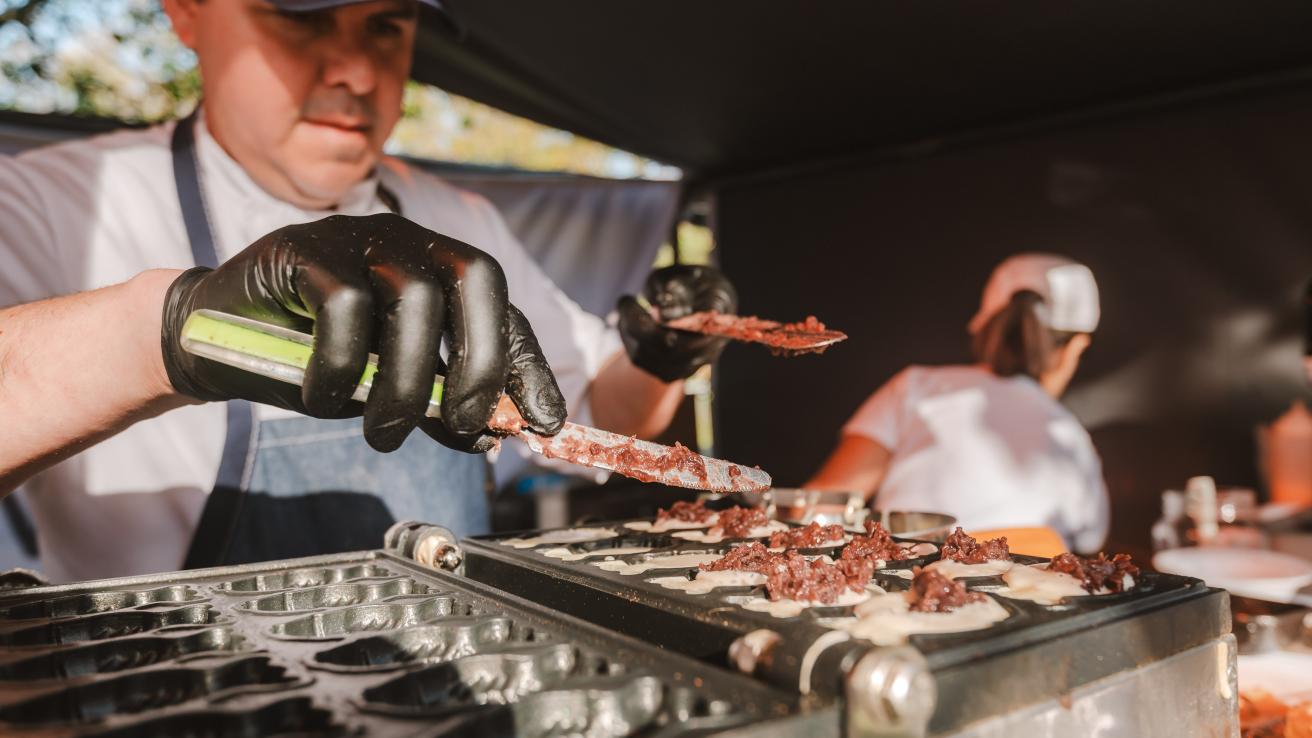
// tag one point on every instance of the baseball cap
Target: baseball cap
(1066, 286)
(306, 6)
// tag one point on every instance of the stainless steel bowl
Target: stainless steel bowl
(928, 526)
(848, 508)
(812, 505)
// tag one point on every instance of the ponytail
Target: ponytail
(1016, 340)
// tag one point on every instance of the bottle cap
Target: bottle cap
(1200, 504)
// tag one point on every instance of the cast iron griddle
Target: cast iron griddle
(354, 644)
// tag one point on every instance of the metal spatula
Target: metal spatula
(789, 339)
(283, 354)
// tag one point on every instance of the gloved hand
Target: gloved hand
(675, 291)
(379, 283)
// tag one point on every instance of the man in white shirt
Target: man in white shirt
(299, 97)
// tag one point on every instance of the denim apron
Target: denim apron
(303, 486)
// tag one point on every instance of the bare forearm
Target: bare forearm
(625, 399)
(75, 370)
(858, 464)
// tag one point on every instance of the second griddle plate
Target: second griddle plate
(1041, 652)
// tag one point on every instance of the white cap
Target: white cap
(1067, 288)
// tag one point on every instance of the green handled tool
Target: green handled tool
(282, 354)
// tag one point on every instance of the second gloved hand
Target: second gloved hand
(675, 291)
(377, 283)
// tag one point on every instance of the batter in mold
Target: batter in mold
(794, 582)
(810, 536)
(566, 554)
(748, 565)
(788, 608)
(879, 547)
(706, 581)
(934, 604)
(736, 522)
(568, 535)
(673, 561)
(1068, 575)
(679, 516)
(963, 556)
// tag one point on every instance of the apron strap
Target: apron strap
(186, 177)
(209, 544)
(389, 199)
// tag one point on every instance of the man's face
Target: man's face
(303, 101)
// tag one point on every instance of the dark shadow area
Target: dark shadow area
(723, 100)
(1195, 223)
(269, 527)
(20, 524)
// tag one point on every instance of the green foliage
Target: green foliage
(110, 58)
(120, 59)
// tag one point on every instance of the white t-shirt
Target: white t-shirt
(94, 212)
(993, 452)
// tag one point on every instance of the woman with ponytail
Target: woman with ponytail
(988, 443)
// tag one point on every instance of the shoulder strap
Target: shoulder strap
(186, 176)
(209, 544)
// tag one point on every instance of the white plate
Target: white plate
(1248, 572)
(1286, 675)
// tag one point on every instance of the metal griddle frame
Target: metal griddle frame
(1040, 653)
(809, 681)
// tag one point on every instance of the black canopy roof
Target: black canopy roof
(724, 87)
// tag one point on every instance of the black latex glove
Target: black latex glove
(675, 292)
(378, 283)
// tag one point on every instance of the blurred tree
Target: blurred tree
(439, 125)
(21, 12)
(120, 59)
(112, 58)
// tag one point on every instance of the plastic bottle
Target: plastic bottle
(1237, 514)
(1170, 529)
(1289, 457)
(1307, 331)
(1200, 506)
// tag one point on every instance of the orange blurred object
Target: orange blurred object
(1041, 541)
(1263, 715)
(1298, 721)
(1286, 455)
